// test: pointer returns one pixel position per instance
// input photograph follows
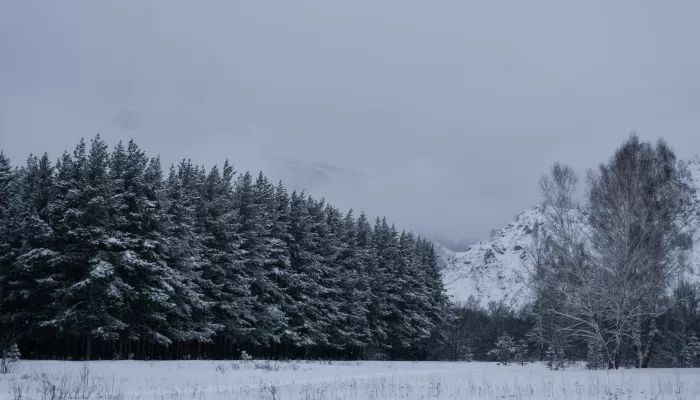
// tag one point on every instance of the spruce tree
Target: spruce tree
(30, 276)
(308, 323)
(223, 277)
(103, 254)
(387, 289)
(594, 355)
(367, 259)
(192, 320)
(94, 292)
(6, 179)
(353, 284)
(253, 204)
(140, 242)
(280, 263)
(8, 195)
(335, 255)
(505, 349)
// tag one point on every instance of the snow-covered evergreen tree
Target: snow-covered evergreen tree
(193, 319)
(253, 203)
(314, 300)
(594, 356)
(690, 355)
(100, 256)
(353, 329)
(505, 349)
(555, 357)
(32, 277)
(436, 305)
(464, 352)
(386, 289)
(9, 354)
(94, 292)
(520, 355)
(219, 274)
(367, 258)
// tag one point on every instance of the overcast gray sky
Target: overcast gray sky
(450, 109)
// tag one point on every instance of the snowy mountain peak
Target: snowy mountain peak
(495, 269)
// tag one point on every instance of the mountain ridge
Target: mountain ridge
(494, 269)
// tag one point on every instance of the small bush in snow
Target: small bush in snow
(520, 355)
(505, 349)
(221, 368)
(274, 366)
(267, 365)
(594, 358)
(9, 356)
(245, 356)
(556, 359)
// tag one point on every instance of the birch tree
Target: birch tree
(609, 267)
(638, 209)
(556, 262)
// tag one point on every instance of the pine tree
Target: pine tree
(94, 293)
(555, 357)
(388, 284)
(27, 273)
(8, 195)
(33, 270)
(505, 349)
(223, 277)
(192, 319)
(690, 355)
(139, 239)
(253, 202)
(104, 255)
(9, 354)
(6, 178)
(437, 304)
(462, 351)
(520, 355)
(324, 243)
(335, 253)
(418, 301)
(280, 263)
(367, 258)
(354, 291)
(309, 324)
(594, 355)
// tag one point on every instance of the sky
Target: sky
(449, 111)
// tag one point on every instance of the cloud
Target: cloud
(450, 110)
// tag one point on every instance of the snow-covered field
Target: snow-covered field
(115, 380)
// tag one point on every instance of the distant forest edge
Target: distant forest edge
(104, 256)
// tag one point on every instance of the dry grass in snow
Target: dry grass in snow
(273, 380)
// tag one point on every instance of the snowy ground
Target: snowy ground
(115, 380)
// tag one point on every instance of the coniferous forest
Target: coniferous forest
(106, 255)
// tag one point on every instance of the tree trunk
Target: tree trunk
(88, 347)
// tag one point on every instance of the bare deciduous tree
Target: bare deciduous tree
(637, 205)
(554, 258)
(607, 271)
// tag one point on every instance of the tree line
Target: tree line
(103, 255)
